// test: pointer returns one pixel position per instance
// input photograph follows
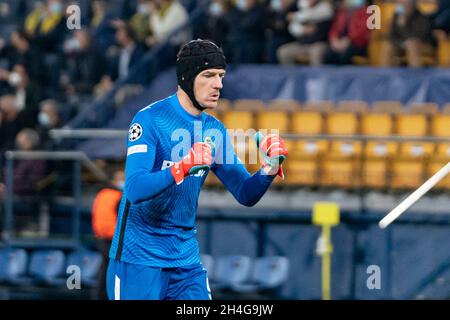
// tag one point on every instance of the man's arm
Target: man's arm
(141, 183)
(246, 188)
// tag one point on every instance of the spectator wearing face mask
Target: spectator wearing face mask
(140, 21)
(11, 122)
(48, 119)
(85, 64)
(277, 26)
(349, 35)
(309, 26)
(104, 219)
(166, 16)
(410, 34)
(101, 25)
(214, 26)
(46, 27)
(26, 93)
(24, 52)
(245, 38)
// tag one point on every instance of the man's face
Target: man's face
(207, 87)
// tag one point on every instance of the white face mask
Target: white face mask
(44, 119)
(241, 5)
(120, 185)
(142, 9)
(72, 45)
(276, 5)
(215, 9)
(56, 7)
(14, 79)
(302, 4)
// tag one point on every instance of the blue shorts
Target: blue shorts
(126, 281)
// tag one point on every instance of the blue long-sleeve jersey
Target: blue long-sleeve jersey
(156, 218)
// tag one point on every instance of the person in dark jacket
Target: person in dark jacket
(277, 26)
(245, 39)
(410, 34)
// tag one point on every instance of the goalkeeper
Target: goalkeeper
(172, 145)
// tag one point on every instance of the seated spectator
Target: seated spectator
(101, 25)
(26, 53)
(166, 16)
(11, 122)
(48, 119)
(245, 38)
(309, 26)
(129, 54)
(104, 219)
(349, 35)
(84, 62)
(27, 173)
(214, 26)
(277, 26)
(26, 93)
(410, 34)
(46, 27)
(140, 21)
(441, 18)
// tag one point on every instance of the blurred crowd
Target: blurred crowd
(49, 72)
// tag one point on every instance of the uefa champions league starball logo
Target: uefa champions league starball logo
(135, 132)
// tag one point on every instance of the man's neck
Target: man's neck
(186, 103)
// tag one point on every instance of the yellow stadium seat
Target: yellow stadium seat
(407, 173)
(269, 121)
(377, 124)
(236, 119)
(340, 172)
(343, 123)
(417, 149)
(303, 165)
(301, 171)
(377, 152)
(341, 164)
(434, 166)
(440, 125)
(374, 173)
(248, 104)
(412, 124)
(307, 122)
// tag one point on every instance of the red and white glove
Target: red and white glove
(274, 151)
(199, 158)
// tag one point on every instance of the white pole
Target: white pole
(416, 195)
